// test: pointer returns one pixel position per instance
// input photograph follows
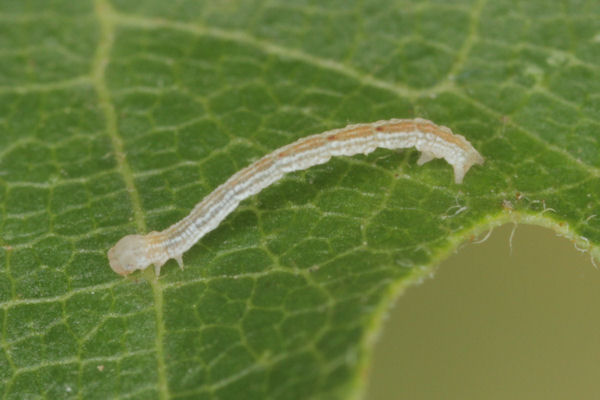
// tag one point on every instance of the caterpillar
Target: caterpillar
(135, 252)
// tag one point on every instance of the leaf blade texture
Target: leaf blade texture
(117, 117)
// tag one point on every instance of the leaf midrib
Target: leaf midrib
(107, 35)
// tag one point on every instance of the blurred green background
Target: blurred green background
(496, 325)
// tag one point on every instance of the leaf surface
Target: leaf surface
(119, 116)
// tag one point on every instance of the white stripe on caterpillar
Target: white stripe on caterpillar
(135, 252)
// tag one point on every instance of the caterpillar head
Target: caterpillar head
(129, 254)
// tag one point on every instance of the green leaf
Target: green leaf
(118, 116)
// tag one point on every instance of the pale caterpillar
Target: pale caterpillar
(134, 252)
